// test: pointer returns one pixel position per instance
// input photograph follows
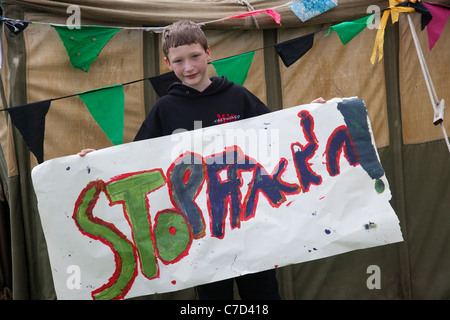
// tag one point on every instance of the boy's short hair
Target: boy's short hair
(181, 33)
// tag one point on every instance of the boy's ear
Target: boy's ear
(168, 63)
(208, 54)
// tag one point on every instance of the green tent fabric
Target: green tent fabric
(234, 68)
(106, 106)
(85, 44)
(348, 30)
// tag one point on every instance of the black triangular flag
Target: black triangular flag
(15, 26)
(420, 8)
(29, 119)
(162, 82)
(292, 50)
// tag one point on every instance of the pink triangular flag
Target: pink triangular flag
(275, 15)
(440, 15)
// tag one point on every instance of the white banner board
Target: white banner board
(195, 207)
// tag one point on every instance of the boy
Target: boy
(200, 98)
(197, 97)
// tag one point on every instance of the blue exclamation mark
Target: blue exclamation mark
(355, 117)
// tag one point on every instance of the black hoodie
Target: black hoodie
(222, 101)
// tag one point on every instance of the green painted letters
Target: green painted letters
(131, 190)
(124, 251)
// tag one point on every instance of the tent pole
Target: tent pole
(391, 67)
(272, 70)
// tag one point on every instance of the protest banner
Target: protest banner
(200, 206)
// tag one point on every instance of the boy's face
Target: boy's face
(190, 63)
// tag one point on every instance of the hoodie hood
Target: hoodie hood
(218, 84)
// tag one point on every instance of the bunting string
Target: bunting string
(85, 44)
(270, 11)
(91, 91)
(169, 77)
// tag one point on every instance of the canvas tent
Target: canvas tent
(36, 67)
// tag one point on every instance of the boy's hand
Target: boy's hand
(319, 100)
(84, 152)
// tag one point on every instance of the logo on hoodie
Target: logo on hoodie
(226, 117)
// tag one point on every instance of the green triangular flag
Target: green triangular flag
(234, 68)
(348, 30)
(84, 44)
(106, 106)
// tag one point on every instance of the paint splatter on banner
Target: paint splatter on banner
(195, 207)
